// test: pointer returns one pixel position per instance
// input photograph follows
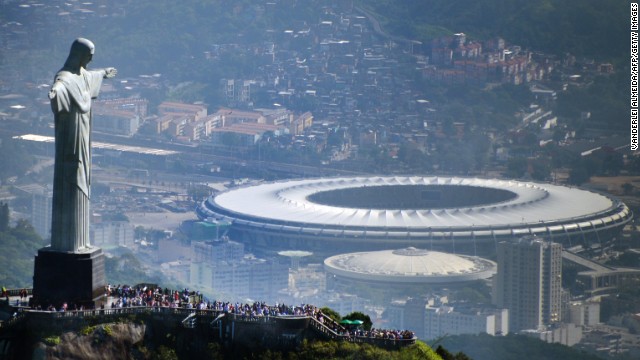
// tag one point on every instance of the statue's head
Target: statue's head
(80, 54)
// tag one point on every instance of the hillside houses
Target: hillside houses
(456, 60)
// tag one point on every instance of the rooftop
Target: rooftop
(410, 265)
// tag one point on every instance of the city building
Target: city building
(137, 106)
(111, 233)
(41, 197)
(565, 334)
(116, 122)
(529, 282)
(237, 91)
(595, 279)
(433, 317)
(278, 116)
(196, 112)
(301, 123)
(584, 313)
(234, 116)
(222, 267)
(453, 320)
(41, 212)
(243, 135)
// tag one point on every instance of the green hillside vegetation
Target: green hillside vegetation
(19, 245)
(334, 350)
(337, 350)
(124, 268)
(144, 336)
(164, 36)
(485, 347)
(606, 98)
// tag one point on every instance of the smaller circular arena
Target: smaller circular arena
(409, 266)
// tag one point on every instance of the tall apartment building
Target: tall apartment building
(223, 267)
(106, 233)
(41, 212)
(237, 91)
(529, 282)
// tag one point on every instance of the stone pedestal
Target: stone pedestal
(74, 278)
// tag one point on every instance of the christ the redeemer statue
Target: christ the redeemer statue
(71, 93)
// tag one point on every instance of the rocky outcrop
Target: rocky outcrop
(106, 341)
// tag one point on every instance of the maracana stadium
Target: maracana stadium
(453, 214)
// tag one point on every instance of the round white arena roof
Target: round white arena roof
(410, 265)
(415, 208)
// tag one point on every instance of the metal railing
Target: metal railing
(374, 340)
(16, 292)
(191, 317)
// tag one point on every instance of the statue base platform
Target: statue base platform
(72, 278)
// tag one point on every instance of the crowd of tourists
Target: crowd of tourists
(146, 295)
(124, 296)
(383, 334)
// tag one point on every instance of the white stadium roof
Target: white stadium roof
(410, 265)
(535, 203)
(381, 209)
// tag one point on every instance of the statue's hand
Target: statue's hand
(52, 94)
(110, 72)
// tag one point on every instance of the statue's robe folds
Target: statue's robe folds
(71, 96)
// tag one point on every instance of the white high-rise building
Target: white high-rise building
(584, 313)
(433, 317)
(41, 212)
(449, 320)
(221, 267)
(529, 282)
(106, 233)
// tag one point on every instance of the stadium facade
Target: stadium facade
(452, 214)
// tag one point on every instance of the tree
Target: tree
(310, 350)
(356, 315)
(516, 167)
(331, 313)
(540, 169)
(627, 189)
(127, 269)
(478, 292)
(19, 244)
(198, 192)
(578, 176)
(164, 353)
(446, 355)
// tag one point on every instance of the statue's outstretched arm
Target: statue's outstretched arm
(110, 72)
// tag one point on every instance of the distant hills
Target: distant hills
(163, 35)
(592, 28)
(169, 37)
